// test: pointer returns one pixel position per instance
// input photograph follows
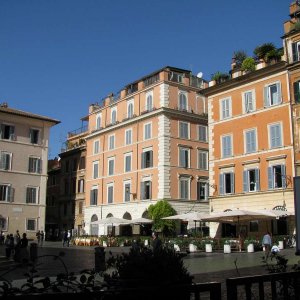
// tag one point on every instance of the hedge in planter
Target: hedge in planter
(144, 268)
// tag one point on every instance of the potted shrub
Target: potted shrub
(249, 244)
(227, 246)
(192, 246)
(261, 51)
(163, 270)
(248, 64)
(220, 77)
(208, 245)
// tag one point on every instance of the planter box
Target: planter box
(208, 247)
(192, 248)
(176, 248)
(250, 248)
(280, 245)
(227, 248)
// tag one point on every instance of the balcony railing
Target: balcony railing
(78, 131)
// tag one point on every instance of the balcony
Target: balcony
(147, 110)
(80, 130)
(128, 117)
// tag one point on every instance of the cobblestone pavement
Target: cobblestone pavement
(205, 267)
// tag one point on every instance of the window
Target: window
(275, 135)
(110, 193)
(82, 163)
(176, 77)
(251, 180)
(113, 116)
(127, 158)
(149, 101)
(67, 166)
(184, 130)
(80, 208)
(226, 146)
(6, 193)
(98, 121)
(34, 136)
(74, 165)
(7, 132)
(225, 108)
(31, 195)
(5, 160)
(226, 183)
(96, 147)
(202, 160)
(150, 80)
(253, 226)
(146, 190)
(73, 185)
(297, 91)
(202, 133)
(250, 141)
(147, 159)
(4, 223)
(130, 109)
(111, 142)
(184, 154)
(95, 169)
(35, 165)
(272, 94)
(127, 189)
(296, 51)
(183, 104)
(184, 188)
(94, 195)
(147, 131)
(31, 224)
(202, 190)
(80, 187)
(276, 177)
(111, 166)
(128, 137)
(66, 186)
(249, 101)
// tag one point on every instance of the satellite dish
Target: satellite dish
(199, 75)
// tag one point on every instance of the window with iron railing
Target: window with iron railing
(150, 80)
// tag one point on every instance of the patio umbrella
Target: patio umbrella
(141, 221)
(191, 216)
(273, 213)
(235, 216)
(111, 220)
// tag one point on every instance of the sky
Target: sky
(59, 56)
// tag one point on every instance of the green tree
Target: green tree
(239, 57)
(160, 210)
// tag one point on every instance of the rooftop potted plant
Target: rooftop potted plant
(248, 64)
(220, 77)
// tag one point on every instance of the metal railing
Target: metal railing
(77, 131)
(270, 286)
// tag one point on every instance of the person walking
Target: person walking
(267, 243)
(65, 237)
(156, 243)
(38, 236)
(42, 237)
(68, 238)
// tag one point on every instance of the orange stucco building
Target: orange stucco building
(147, 143)
(254, 138)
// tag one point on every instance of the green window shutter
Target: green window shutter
(297, 91)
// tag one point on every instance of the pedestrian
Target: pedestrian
(17, 238)
(65, 238)
(24, 255)
(42, 236)
(2, 238)
(267, 243)
(68, 238)
(156, 243)
(9, 245)
(38, 236)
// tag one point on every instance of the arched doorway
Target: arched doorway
(94, 228)
(146, 229)
(126, 230)
(280, 225)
